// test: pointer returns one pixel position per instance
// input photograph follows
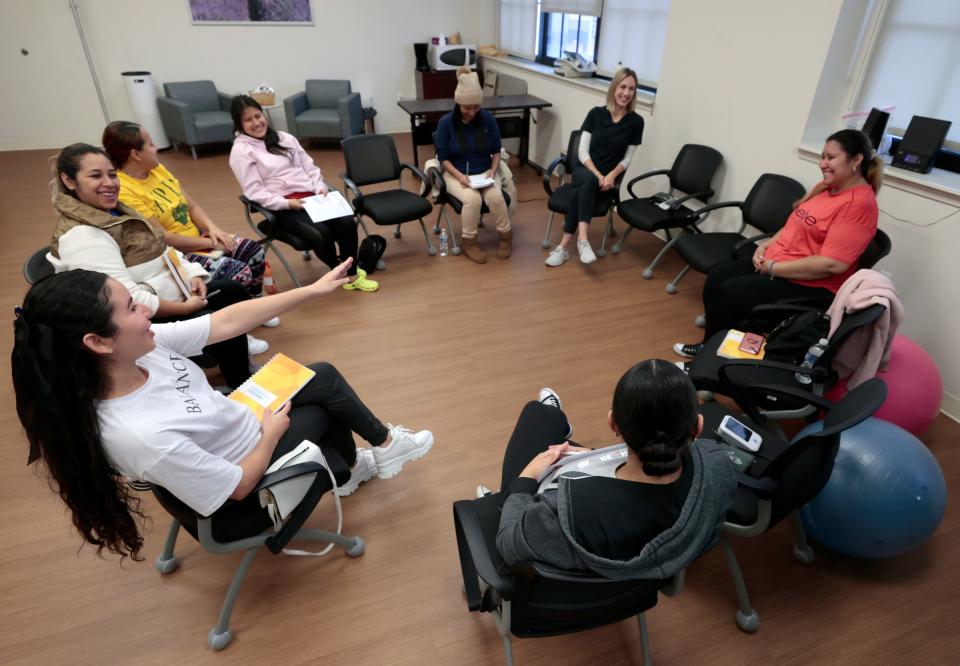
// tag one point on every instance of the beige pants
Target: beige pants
(473, 201)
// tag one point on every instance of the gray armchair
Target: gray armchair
(325, 110)
(194, 113)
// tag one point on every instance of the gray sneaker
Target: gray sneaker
(557, 256)
(586, 252)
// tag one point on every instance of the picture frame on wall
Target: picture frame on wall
(250, 12)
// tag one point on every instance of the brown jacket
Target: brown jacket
(139, 240)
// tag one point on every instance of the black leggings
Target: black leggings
(327, 411)
(538, 427)
(583, 199)
(733, 288)
(339, 232)
(231, 355)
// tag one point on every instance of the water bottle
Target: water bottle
(444, 245)
(814, 353)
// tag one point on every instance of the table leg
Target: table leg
(413, 138)
(525, 139)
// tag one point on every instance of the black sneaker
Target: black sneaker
(688, 351)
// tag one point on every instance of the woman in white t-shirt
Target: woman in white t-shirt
(103, 395)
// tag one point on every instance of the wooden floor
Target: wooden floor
(457, 348)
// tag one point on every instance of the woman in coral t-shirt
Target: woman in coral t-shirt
(815, 251)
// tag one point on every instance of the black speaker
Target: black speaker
(420, 49)
(921, 142)
(874, 126)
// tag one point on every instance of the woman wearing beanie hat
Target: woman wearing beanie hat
(609, 137)
(468, 144)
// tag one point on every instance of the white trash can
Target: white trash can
(142, 94)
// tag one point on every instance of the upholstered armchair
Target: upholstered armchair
(194, 113)
(327, 109)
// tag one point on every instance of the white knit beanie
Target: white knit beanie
(468, 90)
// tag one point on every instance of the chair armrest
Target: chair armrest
(351, 115)
(177, 120)
(791, 391)
(357, 194)
(742, 393)
(225, 101)
(277, 542)
(424, 181)
(704, 194)
(782, 310)
(716, 206)
(291, 472)
(293, 106)
(475, 557)
(436, 180)
(658, 172)
(747, 241)
(762, 487)
(257, 208)
(548, 173)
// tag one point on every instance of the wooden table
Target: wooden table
(422, 128)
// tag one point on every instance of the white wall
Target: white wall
(367, 41)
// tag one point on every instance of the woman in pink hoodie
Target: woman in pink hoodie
(276, 172)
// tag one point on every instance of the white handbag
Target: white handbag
(280, 499)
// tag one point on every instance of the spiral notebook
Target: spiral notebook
(273, 385)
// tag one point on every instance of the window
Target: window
(914, 64)
(611, 33)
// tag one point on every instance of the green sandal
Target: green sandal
(362, 283)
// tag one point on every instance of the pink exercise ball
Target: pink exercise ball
(914, 387)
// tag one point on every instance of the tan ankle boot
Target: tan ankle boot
(472, 251)
(506, 244)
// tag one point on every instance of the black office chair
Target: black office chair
(371, 159)
(559, 199)
(737, 378)
(445, 199)
(36, 267)
(245, 526)
(786, 475)
(766, 209)
(537, 600)
(306, 238)
(691, 175)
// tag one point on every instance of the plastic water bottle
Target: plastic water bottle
(444, 243)
(814, 353)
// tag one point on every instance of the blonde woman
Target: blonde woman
(609, 138)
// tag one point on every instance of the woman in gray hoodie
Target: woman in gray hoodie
(645, 509)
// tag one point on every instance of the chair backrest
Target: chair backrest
(804, 467)
(549, 601)
(371, 158)
(770, 202)
(323, 93)
(878, 248)
(36, 267)
(573, 147)
(694, 169)
(198, 95)
(850, 323)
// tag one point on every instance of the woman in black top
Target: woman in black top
(609, 138)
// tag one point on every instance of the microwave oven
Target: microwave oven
(452, 56)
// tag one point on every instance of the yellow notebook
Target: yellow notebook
(180, 275)
(273, 385)
(730, 347)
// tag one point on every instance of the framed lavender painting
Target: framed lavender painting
(250, 12)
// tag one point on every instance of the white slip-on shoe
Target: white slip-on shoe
(256, 346)
(271, 323)
(482, 491)
(586, 252)
(557, 256)
(363, 470)
(405, 445)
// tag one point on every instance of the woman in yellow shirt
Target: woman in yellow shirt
(150, 189)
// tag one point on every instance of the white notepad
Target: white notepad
(323, 207)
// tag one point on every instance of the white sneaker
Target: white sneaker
(405, 446)
(271, 323)
(482, 491)
(557, 256)
(586, 252)
(255, 346)
(549, 397)
(363, 470)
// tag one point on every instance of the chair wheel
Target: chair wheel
(647, 274)
(748, 622)
(456, 251)
(700, 321)
(356, 550)
(480, 223)
(436, 230)
(804, 555)
(671, 288)
(601, 253)
(616, 249)
(545, 244)
(165, 566)
(381, 265)
(432, 251)
(219, 641)
(306, 255)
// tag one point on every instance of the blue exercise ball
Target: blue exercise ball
(886, 495)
